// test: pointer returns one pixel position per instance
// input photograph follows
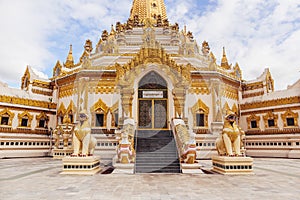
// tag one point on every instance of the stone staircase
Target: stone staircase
(156, 152)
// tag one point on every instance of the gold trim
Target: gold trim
(61, 111)
(99, 108)
(10, 115)
(200, 108)
(42, 115)
(275, 102)
(27, 102)
(289, 114)
(253, 117)
(270, 116)
(25, 115)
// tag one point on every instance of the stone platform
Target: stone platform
(39, 178)
(81, 165)
(61, 153)
(232, 165)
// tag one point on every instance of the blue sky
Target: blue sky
(256, 33)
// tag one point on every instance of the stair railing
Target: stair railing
(177, 142)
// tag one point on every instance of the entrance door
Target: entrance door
(153, 102)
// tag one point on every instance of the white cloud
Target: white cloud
(256, 33)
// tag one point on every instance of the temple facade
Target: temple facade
(151, 72)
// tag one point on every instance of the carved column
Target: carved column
(127, 97)
(179, 101)
(83, 86)
(217, 124)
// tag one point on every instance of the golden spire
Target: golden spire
(224, 62)
(148, 9)
(70, 61)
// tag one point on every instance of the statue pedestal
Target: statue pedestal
(61, 153)
(232, 165)
(191, 168)
(81, 165)
(122, 168)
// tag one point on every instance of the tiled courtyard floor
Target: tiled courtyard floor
(39, 178)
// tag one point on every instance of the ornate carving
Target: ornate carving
(254, 94)
(42, 116)
(205, 48)
(199, 86)
(61, 111)
(270, 103)
(254, 118)
(27, 102)
(293, 116)
(6, 113)
(25, 115)
(99, 108)
(270, 116)
(200, 108)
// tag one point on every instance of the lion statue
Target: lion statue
(230, 141)
(83, 142)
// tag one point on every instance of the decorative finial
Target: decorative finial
(70, 60)
(224, 62)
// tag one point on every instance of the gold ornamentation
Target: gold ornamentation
(200, 108)
(199, 87)
(46, 93)
(289, 114)
(61, 110)
(70, 60)
(231, 92)
(253, 86)
(235, 109)
(270, 116)
(6, 113)
(25, 79)
(225, 108)
(25, 115)
(255, 118)
(42, 116)
(275, 102)
(71, 108)
(99, 108)
(148, 10)
(254, 94)
(27, 102)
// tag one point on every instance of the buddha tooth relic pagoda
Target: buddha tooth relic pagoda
(144, 76)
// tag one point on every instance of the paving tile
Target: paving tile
(39, 178)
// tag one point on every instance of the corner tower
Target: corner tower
(148, 9)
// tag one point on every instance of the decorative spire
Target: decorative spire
(70, 61)
(148, 9)
(224, 62)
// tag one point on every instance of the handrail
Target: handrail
(135, 148)
(177, 145)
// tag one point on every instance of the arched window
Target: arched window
(6, 117)
(289, 118)
(99, 114)
(200, 113)
(25, 119)
(253, 121)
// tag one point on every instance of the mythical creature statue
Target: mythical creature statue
(83, 142)
(205, 48)
(230, 141)
(63, 130)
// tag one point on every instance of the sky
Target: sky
(256, 34)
